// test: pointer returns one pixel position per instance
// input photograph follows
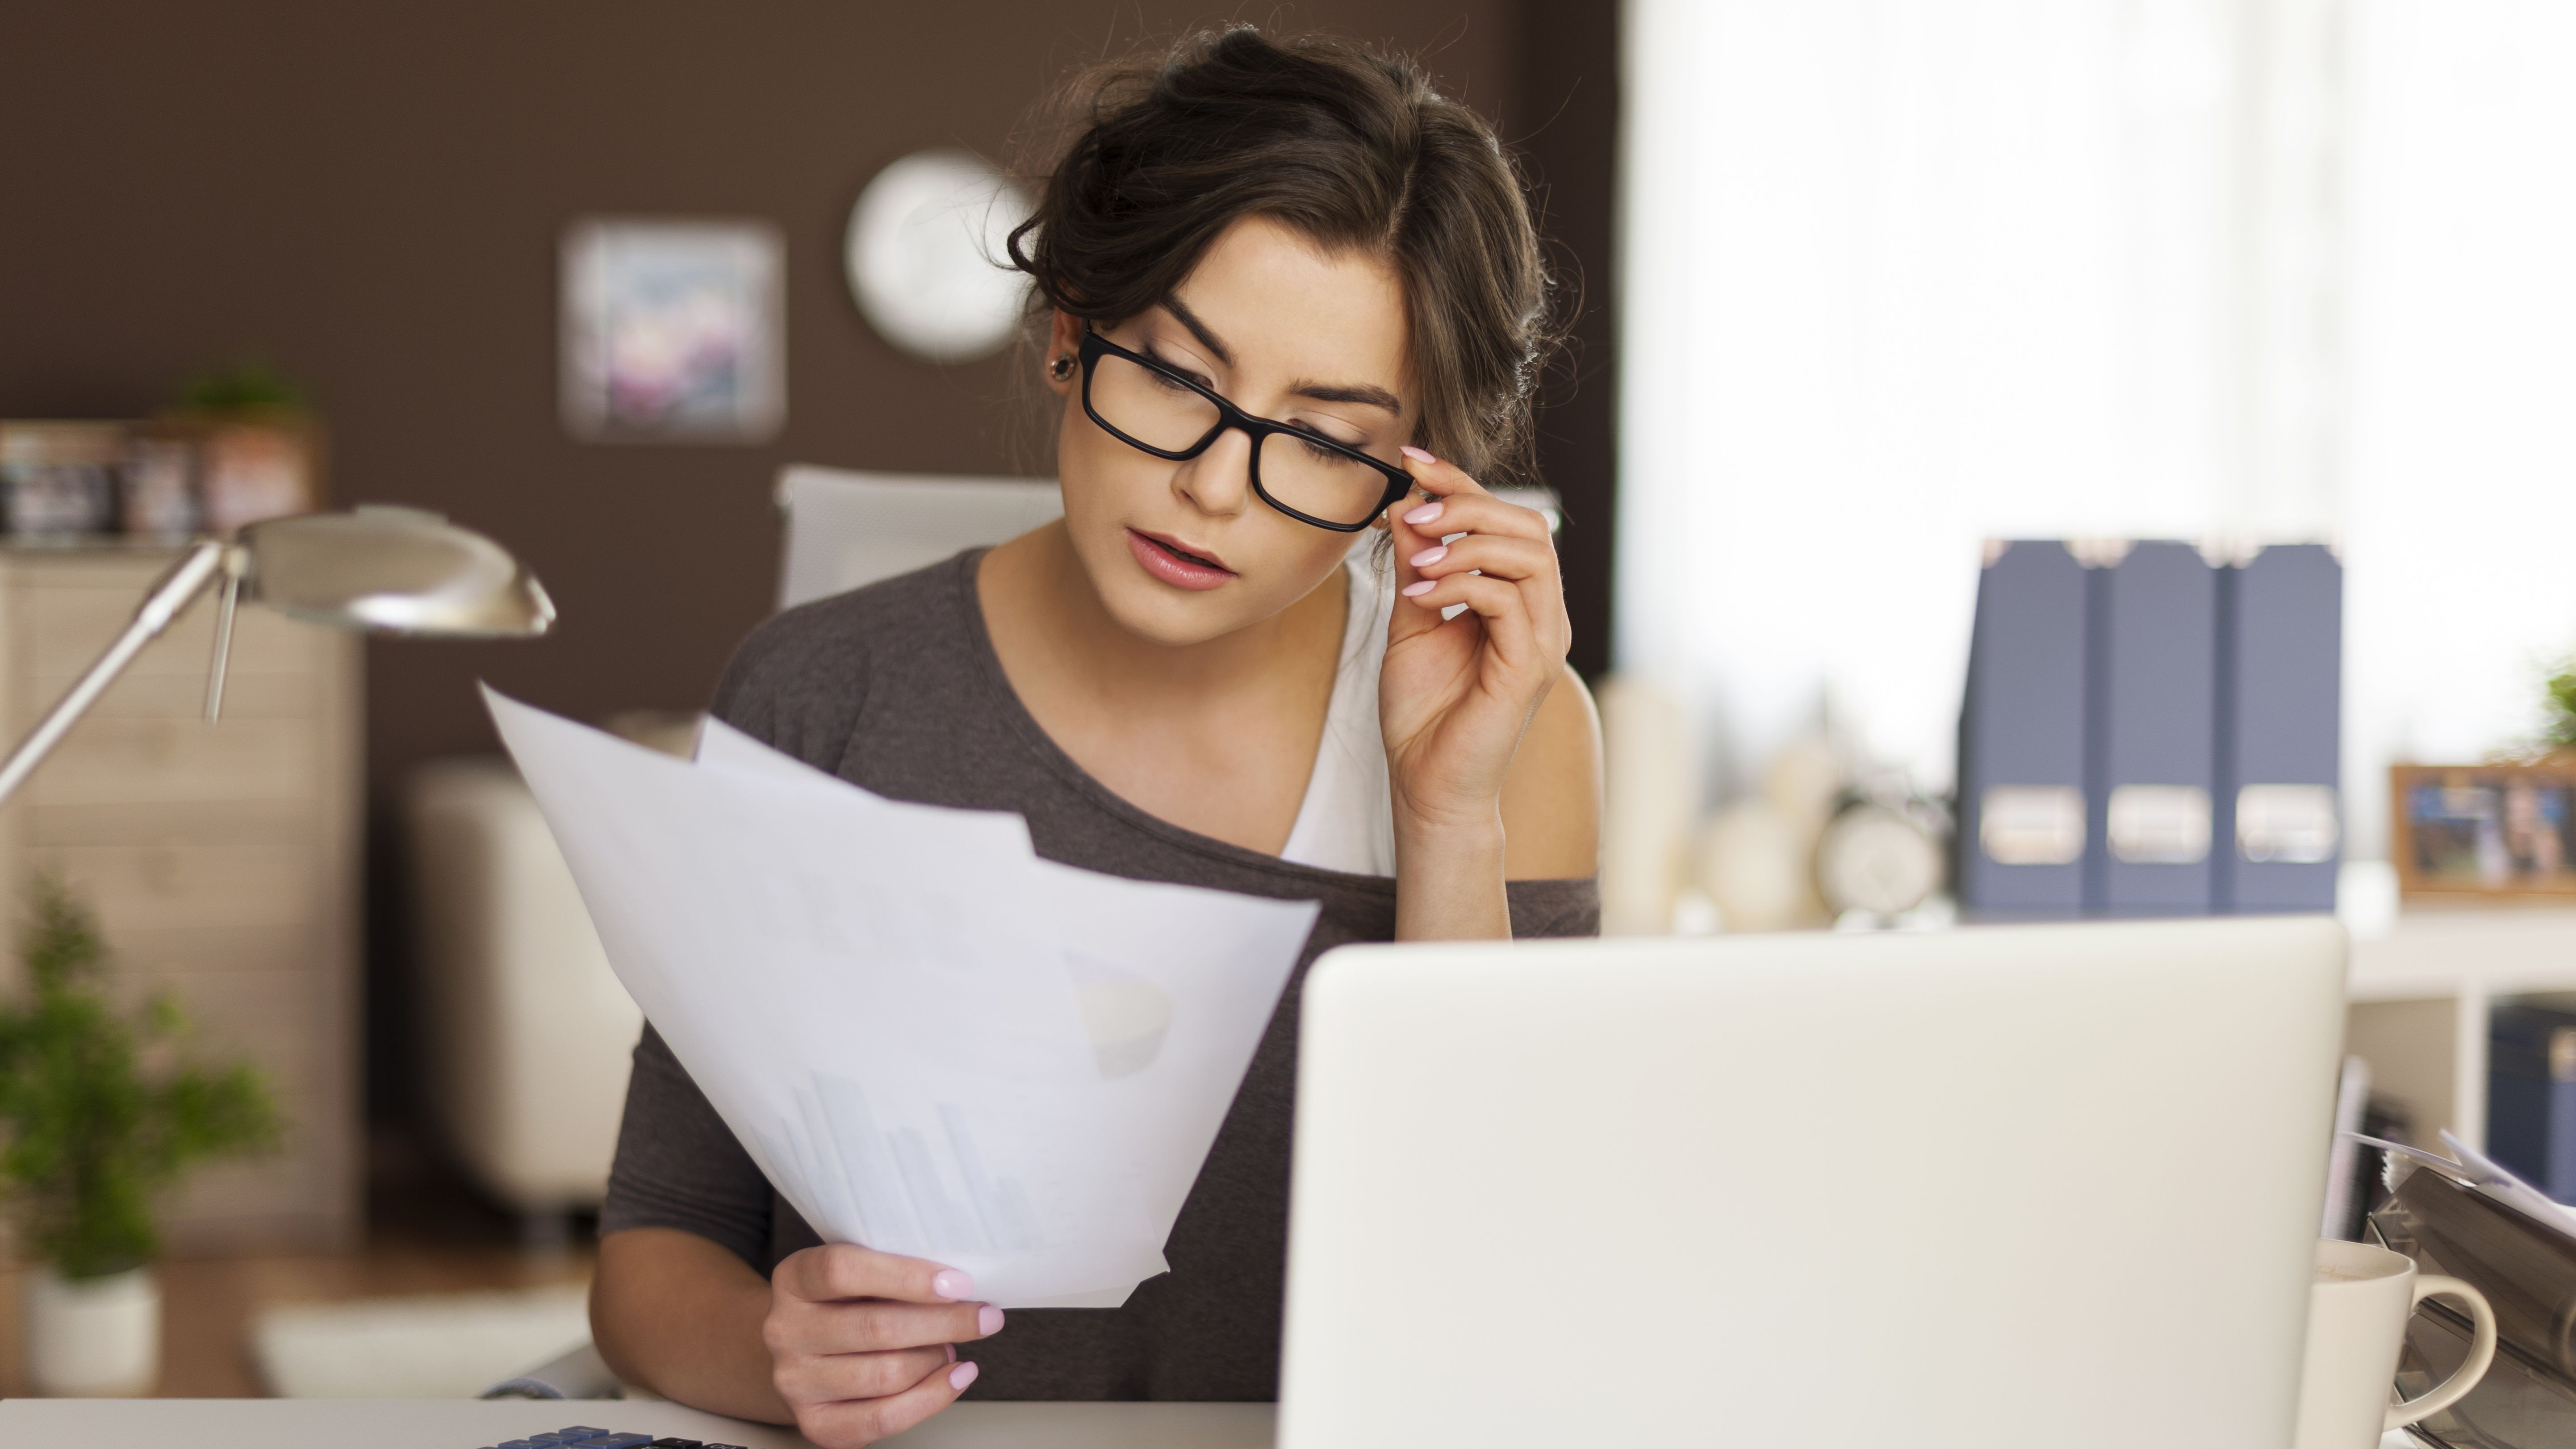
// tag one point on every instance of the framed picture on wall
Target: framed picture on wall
(2484, 830)
(674, 331)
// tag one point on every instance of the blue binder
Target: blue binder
(2279, 813)
(2154, 725)
(2531, 1096)
(2021, 738)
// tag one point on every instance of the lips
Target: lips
(1175, 564)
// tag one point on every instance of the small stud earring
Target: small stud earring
(1060, 368)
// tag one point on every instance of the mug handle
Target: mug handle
(2472, 1369)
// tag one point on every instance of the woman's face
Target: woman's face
(1184, 552)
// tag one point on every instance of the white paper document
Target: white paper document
(932, 1041)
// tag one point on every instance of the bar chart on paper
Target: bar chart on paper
(903, 1184)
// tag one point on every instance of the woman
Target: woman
(1292, 294)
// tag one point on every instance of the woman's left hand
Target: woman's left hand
(1456, 695)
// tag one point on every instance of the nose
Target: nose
(1218, 482)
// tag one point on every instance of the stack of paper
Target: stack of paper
(933, 1042)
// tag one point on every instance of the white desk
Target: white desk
(472, 1423)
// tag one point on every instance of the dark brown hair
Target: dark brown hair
(1145, 161)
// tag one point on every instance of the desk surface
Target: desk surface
(470, 1423)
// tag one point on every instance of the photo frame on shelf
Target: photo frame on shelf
(2495, 831)
(674, 331)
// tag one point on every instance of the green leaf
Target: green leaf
(2561, 706)
(90, 1137)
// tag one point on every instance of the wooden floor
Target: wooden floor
(426, 1234)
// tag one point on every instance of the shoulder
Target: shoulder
(809, 666)
(1552, 797)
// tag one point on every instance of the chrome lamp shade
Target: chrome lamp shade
(393, 570)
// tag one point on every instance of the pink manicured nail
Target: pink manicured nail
(962, 1375)
(1430, 556)
(952, 1351)
(1425, 514)
(1415, 591)
(988, 1320)
(952, 1285)
(1418, 455)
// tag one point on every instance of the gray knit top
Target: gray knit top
(896, 687)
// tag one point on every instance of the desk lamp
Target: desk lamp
(391, 570)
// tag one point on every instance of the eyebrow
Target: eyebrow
(1365, 394)
(1361, 393)
(1198, 329)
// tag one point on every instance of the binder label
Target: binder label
(2032, 824)
(2159, 824)
(2293, 824)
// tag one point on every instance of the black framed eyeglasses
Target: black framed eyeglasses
(1303, 474)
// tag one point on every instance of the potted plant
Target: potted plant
(96, 1120)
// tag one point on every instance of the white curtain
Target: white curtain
(1900, 277)
(2458, 458)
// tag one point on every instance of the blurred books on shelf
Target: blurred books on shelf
(2531, 1095)
(162, 479)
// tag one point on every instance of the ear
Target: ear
(1064, 339)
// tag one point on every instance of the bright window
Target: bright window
(1899, 278)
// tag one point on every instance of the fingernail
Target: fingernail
(1430, 556)
(952, 1351)
(988, 1320)
(962, 1375)
(1424, 514)
(1415, 591)
(1418, 455)
(951, 1284)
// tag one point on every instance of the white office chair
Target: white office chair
(847, 529)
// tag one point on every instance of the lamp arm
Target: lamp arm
(177, 589)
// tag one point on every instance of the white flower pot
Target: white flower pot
(92, 1338)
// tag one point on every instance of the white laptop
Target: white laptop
(2011, 1186)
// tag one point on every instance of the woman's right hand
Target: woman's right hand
(863, 1344)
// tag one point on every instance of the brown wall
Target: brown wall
(370, 195)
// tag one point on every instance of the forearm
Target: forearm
(680, 1315)
(1449, 883)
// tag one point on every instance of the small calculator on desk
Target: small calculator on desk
(582, 1436)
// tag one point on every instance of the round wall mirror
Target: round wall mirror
(925, 255)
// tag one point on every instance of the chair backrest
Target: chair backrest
(846, 529)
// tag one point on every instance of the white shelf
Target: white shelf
(2441, 951)
(2421, 986)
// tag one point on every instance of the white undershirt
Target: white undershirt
(1347, 820)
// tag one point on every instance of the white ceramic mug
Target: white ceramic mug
(2358, 1305)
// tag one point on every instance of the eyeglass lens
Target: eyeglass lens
(1160, 413)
